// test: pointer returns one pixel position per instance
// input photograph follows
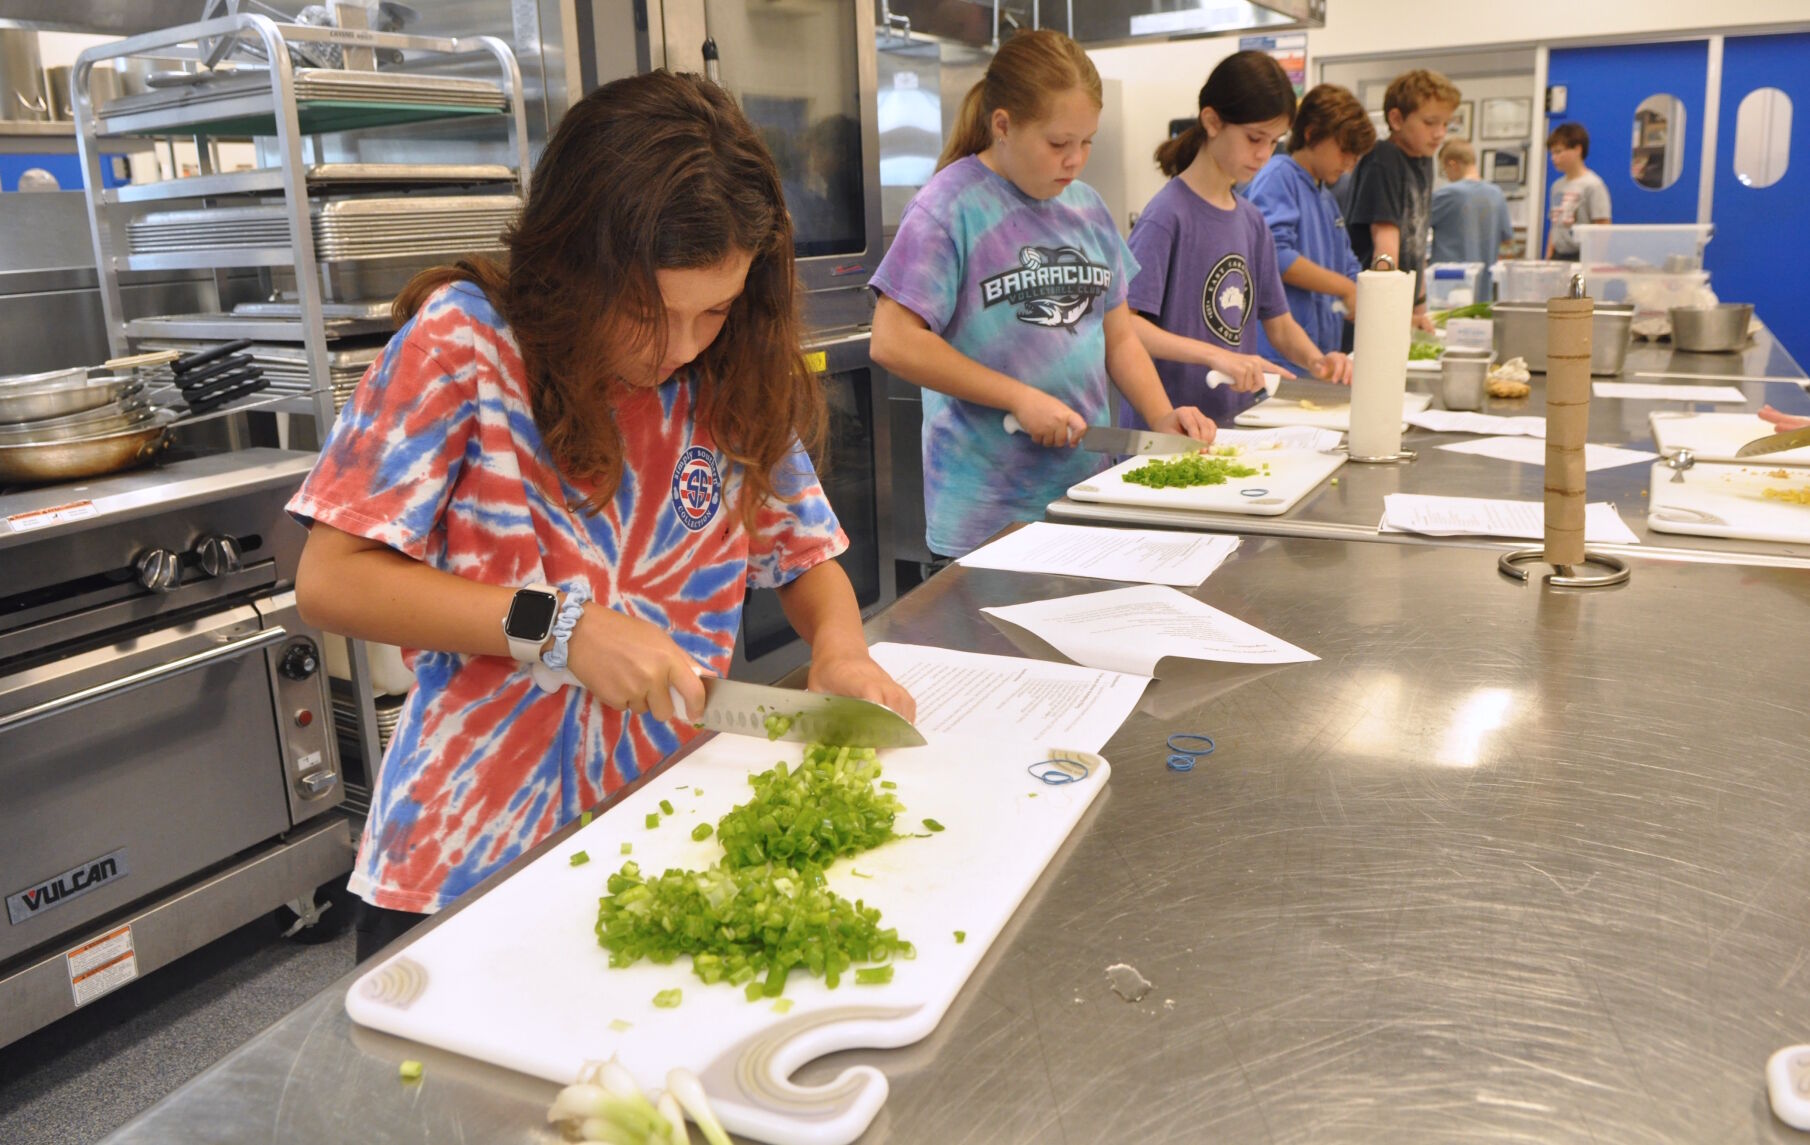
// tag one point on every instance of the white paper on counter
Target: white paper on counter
(1484, 517)
(1147, 556)
(1532, 451)
(1283, 437)
(1130, 629)
(1646, 392)
(1464, 421)
(969, 695)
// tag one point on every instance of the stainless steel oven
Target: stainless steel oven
(166, 748)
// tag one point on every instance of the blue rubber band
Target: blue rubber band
(1054, 774)
(1188, 742)
(1181, 763)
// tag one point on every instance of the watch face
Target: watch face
(531, 615)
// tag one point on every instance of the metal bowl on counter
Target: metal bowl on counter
(1519, 329)
(37, 462)
(1718, 329)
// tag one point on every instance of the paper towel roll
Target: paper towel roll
(1379, 375)
(1567, 426)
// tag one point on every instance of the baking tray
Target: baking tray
(260, 328)
(318, 84)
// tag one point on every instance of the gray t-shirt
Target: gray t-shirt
(1584, 199)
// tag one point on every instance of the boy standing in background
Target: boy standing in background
(1470, 217)
(1392, 198)
(1579, 195)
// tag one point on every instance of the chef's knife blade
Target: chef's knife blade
(1775, 443)
(1127, 442)
(733, 706)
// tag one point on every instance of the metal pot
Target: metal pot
(56, 90)
(1520, 332)
(1711, 329)
(42, 462)
(21, 77)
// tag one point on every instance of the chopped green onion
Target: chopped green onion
(859, 874)
(888, 785)
(653, 820)
(619, 1025)
(579, 858)
(961, 936)
(807, 817)
(411, 1070)
(584, 820)
(1187, 469)
(933, 825)
(628, 848)
(778, 725)
(666, 807)
(701, 832)
(668, 999)
(873, 975)
(781, 1005)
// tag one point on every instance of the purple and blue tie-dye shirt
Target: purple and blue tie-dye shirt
(1208, 274)
(1021, 285)
(438, 457)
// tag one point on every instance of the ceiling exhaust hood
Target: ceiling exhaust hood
(1098, 23)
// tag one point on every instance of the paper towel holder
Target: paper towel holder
(1400, 455)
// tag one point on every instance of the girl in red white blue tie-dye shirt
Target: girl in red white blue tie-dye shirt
(621, 414)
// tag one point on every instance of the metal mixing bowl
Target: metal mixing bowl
(1711, 329)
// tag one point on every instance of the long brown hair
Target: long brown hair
(1027, 71)
(1245, 87)
(1330, 112)
(647, 173)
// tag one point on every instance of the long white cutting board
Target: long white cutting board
(1728, 501)
(517, 977)
(1288, 411)
(1716, 436)
(1293, 474)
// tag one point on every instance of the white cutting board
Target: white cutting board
(1716, 436)
(1288, 411)
(1733, 495)
(1293, 473)
(517, 977)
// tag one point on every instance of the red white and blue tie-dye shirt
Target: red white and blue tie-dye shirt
(438, 456)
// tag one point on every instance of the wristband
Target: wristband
(563, 624)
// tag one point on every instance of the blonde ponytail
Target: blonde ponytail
(1026, 73)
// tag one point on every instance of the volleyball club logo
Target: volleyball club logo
(697, 488)
(1051, 286)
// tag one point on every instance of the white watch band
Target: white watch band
(528, 651)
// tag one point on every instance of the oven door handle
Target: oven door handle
(147, 677)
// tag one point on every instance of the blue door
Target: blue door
(1605, 88)
(1761, 250)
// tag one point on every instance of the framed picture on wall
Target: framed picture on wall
(1510, 118)
(1460, 125)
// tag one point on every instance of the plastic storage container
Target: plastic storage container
(1452, 284)
(1531, 280)
(1671, 247)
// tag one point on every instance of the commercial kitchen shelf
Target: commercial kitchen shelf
(321, 178)
(200, 329)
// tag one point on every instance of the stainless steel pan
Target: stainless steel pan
(62, 399)
(132, 413)
(41, 462)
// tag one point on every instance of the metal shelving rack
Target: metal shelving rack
(259, 112)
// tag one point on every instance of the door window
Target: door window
(1762, 137)
(1658, 149)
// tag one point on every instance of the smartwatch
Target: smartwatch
(530, 621)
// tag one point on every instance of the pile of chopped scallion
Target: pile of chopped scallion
(1187, 469)
(764, 910)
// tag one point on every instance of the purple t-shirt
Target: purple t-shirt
(1205, 273)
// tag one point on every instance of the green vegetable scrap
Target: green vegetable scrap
(620, 1026)
(808, 817)
(666, 807)
(411, 1070)
(778, 725)
(653, 820)
(579, 858)
(961, 936)
(584, 820)
(1424, 351)
(782, 1005)
(932, 825)
(669, 999)
(873, 976)
(1474, 310)
(628, 848)
(701, 832)
(1187, 469)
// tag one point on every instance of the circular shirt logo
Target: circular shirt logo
(1225, 299)
(697, 488)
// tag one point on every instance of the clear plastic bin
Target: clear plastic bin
(1674, 248)
(1532, 280)
(1452, 284)
(1651, 293)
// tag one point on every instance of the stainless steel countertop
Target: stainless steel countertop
(1506, 864)
(1352, 509)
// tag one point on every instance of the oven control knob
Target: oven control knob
(218, 555)
(159, 570)
(300, 660)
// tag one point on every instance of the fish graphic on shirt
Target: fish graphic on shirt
(1053, 287)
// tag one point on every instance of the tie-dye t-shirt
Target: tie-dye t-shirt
(437, 456)
(1021, 285)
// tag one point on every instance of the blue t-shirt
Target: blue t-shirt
(1470, 224)
(1305, 221)
(1205, 273)
(1020, 285)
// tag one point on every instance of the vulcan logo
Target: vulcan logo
(73, 883)
(1052, 286)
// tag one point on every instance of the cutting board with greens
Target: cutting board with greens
(1255, 482)
(1756, 502)
(894, 886)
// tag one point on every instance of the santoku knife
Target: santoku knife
(1130, 442)
(1775, 443)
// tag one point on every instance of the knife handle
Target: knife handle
(1012, 425)
(1215, 379)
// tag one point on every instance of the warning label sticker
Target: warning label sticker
(102, 965)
